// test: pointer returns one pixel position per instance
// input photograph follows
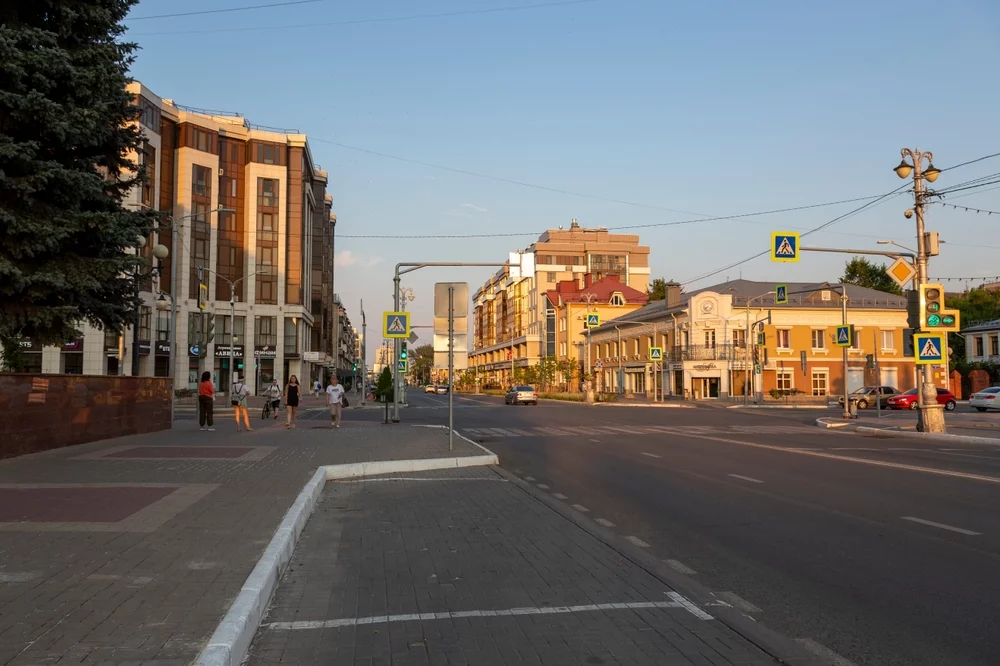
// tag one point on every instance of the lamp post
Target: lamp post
(930, 417)
(364, 343)
(160, 253)
(589, 388)
(232, 316)
(749, 383)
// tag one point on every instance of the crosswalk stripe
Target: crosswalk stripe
(522, 433)
(504, 433)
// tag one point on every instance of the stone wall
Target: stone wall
(40, 412)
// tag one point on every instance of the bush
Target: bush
(570, 397)
(383, 387)
(777, 394)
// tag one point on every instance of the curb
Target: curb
(823, 423)
(653, 406)
(229, 644)
(783, 649)
(932, 436)
(778, 407)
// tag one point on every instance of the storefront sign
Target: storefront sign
(74, 346)
(704, 366)
(163, 349)
(264, 351)
(145, 347)
(222, 351)
(29, 346)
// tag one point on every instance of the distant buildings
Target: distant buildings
(982, 342)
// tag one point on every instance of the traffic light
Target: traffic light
(208, 336)
(933, 315)
(870, 361)
(210, 330)
(402, 353)
(355, 366)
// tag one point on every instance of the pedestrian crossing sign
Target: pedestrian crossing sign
(593, 320)
(402, 365)
(845, 336)
(784, 246)
(929, 348)
(396, 325)
(656, 353)
(781, 294)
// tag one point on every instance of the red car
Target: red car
(910, 399)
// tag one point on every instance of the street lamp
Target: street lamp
(159, 252)
(748, 378)
(930, 418)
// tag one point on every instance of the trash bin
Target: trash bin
(852, 407)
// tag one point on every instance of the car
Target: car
(521, 395)
(910, 399)
(988, 398)
(441, 389)
(865, 396)
(430, 388)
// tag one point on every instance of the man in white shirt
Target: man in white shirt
(334, 398)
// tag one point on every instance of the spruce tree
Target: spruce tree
(68, 143)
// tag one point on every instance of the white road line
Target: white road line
(604, 521)
(416, 478)
(651, 455)
(551, 431)
(504, 432)
(542, 486)
(677, 601)
(627, 431)
(941, 526)
(823, 651)
(745, 478)
(559, 496)
(596, 440)
(581, 508)
(739, 602)
(680, 567)
(529, 478)
(636, 541)
(522, 433)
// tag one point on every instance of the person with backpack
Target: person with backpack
(239, 401)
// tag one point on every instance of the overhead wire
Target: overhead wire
(225, 10)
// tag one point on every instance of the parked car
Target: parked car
(441, 389)
(430, 388)
(988, 398)
(910, 399)
(521, 395)
(865, 396)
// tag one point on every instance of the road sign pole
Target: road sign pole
(878, 377)
(843, 320)
(395, 351)
(451, 367)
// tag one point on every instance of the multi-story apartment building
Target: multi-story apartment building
(347, 341)
(704, 336)
(515, 321)
(254, 219)
(982, 342)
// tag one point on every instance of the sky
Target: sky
(460, 117)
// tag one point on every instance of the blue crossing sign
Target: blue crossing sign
(402, 365)
(396, 325)
(929, 348)
(784, 246)
(781, 294)
(656, 353)
(845, 335)
(593, 320)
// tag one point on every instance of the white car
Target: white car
(430, 388)
(988, 398)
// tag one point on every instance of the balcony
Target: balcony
(720, 352)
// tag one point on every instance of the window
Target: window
(550, 276)
(784, 380)
(710, 338)
(617, 299)
(562, 349)
(111, 339)
(162, 326)
(225, 332)
(145, 322)
(995, 345)
(149, 185)
(267, 192)
(267, 293)
(291, 336)
(740, 337)
(149, 114)
(200, 139)
(979, 345)
(265, 331)
(784, 338)
(268, 153)
(819, 383)
(888, 340)
(200, 183)
(819, 339)
(856, 342)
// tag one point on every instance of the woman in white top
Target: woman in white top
(335, 398)
(239, 399)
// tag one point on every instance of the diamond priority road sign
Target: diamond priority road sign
(901, 271)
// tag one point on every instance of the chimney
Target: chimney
(586, 280)
(673, 294)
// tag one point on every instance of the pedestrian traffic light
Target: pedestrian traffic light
(355, 366)
(210, 330)
(870, 361)
(933, 315)
(402, 353)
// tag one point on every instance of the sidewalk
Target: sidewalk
(474, 566)
(132, 550)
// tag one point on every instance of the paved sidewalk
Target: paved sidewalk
(132, 550)
(466, 567)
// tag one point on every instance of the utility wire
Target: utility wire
(227, 10)
(388, 19)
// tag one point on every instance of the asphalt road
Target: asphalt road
(885, 551)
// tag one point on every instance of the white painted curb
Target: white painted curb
(778, 407)
(653, 406)
(231, 640)
(822, 423)
(933, 436)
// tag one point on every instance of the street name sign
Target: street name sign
(784, 246)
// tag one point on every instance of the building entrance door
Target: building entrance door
(708, 387)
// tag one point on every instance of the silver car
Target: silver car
(988, 398)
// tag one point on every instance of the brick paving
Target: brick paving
(131, 550)
(468, 546)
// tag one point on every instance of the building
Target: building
(514, 320)
(704, 335)
(254, 221)
(347, 342)
(982, 342)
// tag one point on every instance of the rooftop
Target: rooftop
(991, 325)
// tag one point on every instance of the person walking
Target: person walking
(317, 388)
(206, 402)
(291, 401)
(239, 399)
(335, 398)
(274, 395)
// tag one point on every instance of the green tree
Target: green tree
(422, 363)
(383, 387)
(67, 138)
(865, 273)
(975, 307)
(657, 291)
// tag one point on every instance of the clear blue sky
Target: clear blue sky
(716, 107)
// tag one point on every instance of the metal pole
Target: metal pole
(173, 314)
(746, 357)
(878, 377)
(232, 335)
(843, 320)
(135, 327)
(395, 351)
(451, 367)
(620, 379)
(364, 343)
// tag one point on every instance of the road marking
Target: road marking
(860, 461)
(823, 651)
(941, 526)
(739, 602)
(416, 478)
(529, 478)
(627, 431)
(596, 440)
(559, 496)
(636, 541)
(542, 486)
(522, 433)
(581, 508)
(651, 455)
(504, 432)
(680, 567)
(745, 478)
(677, 601)
(604, 521)
(968, 455)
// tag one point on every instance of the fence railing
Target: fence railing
(720, 352)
